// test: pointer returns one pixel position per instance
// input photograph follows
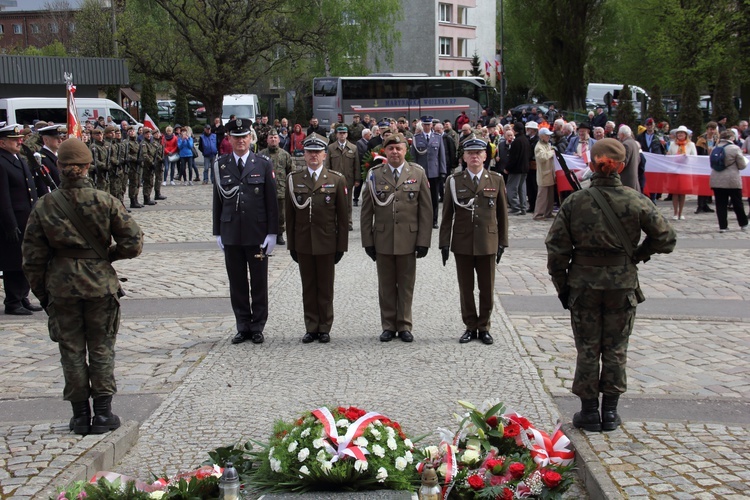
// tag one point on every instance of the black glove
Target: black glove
(564, 296)
(421, 252)
(499, 255)
(445, 252)
(371, 252)
(293, 253)
(13, 236)
(338, 257)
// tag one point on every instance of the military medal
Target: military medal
(492, 203)
(328, 198)
(257, 190)
(299, 198)
(411, 195)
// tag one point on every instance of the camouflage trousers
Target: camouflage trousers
(282, 219)
(602, 321)
(86, 328)
(148, 182)
(116, 186)
(134, 180)
(101, 182)
(159, 176)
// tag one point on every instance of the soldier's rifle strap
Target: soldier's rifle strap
(614, 223)
(80, 226)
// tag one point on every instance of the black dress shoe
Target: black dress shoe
(387, 335)
(19, 311)
(28, 305)
(485, 337)
(434, 225)
(239, 338)
(406, 336)
(280, 240)
(324, 337)
(468, 336)
(351, 228)
(309, 337)
(257, 338)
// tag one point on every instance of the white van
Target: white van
(241, 106)
(597, 91)
(26, 110)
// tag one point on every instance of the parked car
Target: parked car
(166, 113)
(519, 109)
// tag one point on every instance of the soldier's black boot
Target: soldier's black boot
(610, 419)
(104, 420)
(588, 418)
(147, 201)
(81, 421)
(134, 203)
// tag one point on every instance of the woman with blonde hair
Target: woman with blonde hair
(682, 145)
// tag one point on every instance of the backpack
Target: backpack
(717, 159)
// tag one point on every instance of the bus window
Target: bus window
(357, 89)
(465, 89)
(440, 88)
(482, 97)
(27, 116)
(415, 89)
(3, 115)
(326, 87)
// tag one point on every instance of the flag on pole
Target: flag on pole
(74, 127)
(487, 69)
(148, 122)
(498, 68)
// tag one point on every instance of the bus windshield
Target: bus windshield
(238, 110)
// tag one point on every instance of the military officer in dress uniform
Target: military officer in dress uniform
(283, 166)
(428, 151)
(343, 158)
(52, 137)
(18, 194)
(475, 228)
(245, 223)
(395, 220)
(317, 214)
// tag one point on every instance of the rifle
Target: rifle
(124, 163)
(93, 170)
(37, 168)
(572, 179)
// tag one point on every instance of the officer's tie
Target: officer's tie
(476, 182)
(395, 176)
(240, 164)
(315, 177)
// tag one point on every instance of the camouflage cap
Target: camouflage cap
(394, 139)
(74, 152)
(273, 131)
(609, 148)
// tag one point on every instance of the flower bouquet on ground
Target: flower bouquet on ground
(344, 449)
(497, 455)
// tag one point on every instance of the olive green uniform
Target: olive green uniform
(158, 168)
(133, 159)
(318, 229)
(594, 276)
(99, 171)
(78, 289)
(283, 165)
(149, 153)
(345, 161)
(116, 175)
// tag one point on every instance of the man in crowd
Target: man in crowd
(133, 160)
(402, 126)
(649, 141)
(428, 151)
(149, 151)
(629, 174)
(118, 179)
(450, 132)
(245, 223)
(315, 127)
(159, 167)
(283, 165)
(52, 137)
(475, 228)
(600, 120)
(209, 148)
(355, 129)
(532, 132)
(518, 169)
(396, 201)
(102, 154)
(317, 201)
(362, 152)
(343, 158)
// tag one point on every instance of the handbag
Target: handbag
(174, 157)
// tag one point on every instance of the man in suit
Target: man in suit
(245, 223)
(428, 151)
(475, 214)
(18, 194)
(395, 221)
(450, 153)
(343, 158)
(317, 208)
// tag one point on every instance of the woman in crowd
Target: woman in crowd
(185, 145)
(296, 139)
(545, 176)
(169, 141)
(682, 145)
(727, 183)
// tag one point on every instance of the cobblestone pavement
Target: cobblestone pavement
(215, 393)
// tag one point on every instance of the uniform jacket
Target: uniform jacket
(49, 229)
(345, 162)
(322, 227)
(545, 164)
(252, 213)
(283, 165)
(432, 156)
(629, 174)
(406, 222)
(18, 195)
(479, 231)
(582, 228)
(49, 161)
(729, 178)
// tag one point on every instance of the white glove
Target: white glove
(269, 244)
(218, 242)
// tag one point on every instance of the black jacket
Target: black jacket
(518, 157)
(18, 195)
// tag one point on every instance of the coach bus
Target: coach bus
(337, 99)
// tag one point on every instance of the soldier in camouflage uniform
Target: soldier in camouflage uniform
(101, 153)
(133, 159)
(148, 153)
(283, 165)
(598, 282)
(33, 141)
(263, 129)
(116, 177)
(78, 289)
(158, 165)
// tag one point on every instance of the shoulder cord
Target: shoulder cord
(468, 205)
(290, 186)
(224, 193)
(375, 198)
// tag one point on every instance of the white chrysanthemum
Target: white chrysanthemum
(391, 443)
(391, 433)
(270, 452)
(360, 465)
(292, 446)
(408, 456)
(378, 450)
(343, 423)
(304, 470)
(382, 475)
(321, 456)
(303, 454)
(401, 463)
(156, 494)
(443, 469)
(375, 433)
(305, 433)
(378, 423)
(432, 452)
(318, 443)
(361, 441)
(408, 443)
(470, 457)
(275, 465)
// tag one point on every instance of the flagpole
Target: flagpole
(74, 127)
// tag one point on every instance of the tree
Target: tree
(93, 34)
(181, 110)
(690, 113)
(625, 113)
(723, 100)
(656, 106)
(55, 49)
(148, 99)
(475, 63)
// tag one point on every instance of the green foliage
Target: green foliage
(656, 106)
(55, 49)
(723, 102)
(690, 113)
(93, 35)
(193, 489)
(148, 99)
(476, 70)
(625, 113)
(239, 455)
(113, 93)
(181, 110)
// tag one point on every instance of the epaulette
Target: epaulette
(417, 165)
(496, 174)
(335, 172)
(263, 156)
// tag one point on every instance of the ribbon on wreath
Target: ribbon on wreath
(554, 450)
(344, 445)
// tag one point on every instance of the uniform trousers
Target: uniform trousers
(16, 289)
(317, 273)
(85, 330)
(396, 278)
(349, 198)
(251, 317)
(484, 267)
(282, 219)
(602, 321)
(134, 180)
(435, 195)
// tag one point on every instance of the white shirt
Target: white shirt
(243, 158)
(316, 172)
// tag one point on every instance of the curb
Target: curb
(591, 472)
(101, 457)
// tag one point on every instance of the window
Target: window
(444, 72)
(276, 83)
(17, 29)
(34, 28)
(445, 11)
(71, 27)
(462, 47)
(2, 29)
(445, 46)
(463, 13)
(53, 28)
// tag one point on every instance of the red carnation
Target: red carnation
(522, 421)
(551, 478)
(476, 482)
(494, 465)
(511, 430)
(507, 494)
(492, 422)
(516, 470)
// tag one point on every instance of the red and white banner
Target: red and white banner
(74, 127)
(148, 122)
(678, 174)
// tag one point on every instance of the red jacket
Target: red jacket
(170, 145)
